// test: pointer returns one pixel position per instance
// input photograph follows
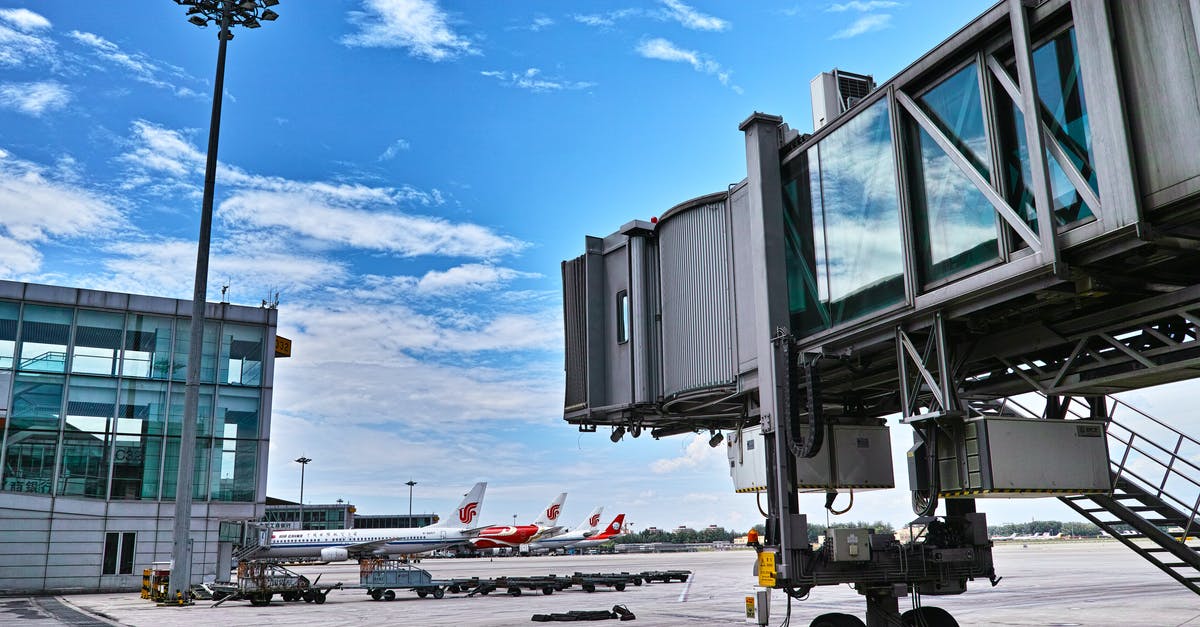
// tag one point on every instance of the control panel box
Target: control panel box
(852, 457)
(1010, 457)
(849, 545)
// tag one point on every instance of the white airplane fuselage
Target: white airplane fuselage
(397, 541)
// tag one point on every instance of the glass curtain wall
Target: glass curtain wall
(1064, 110)
(97, 403)
(956, 227)
(844, 243)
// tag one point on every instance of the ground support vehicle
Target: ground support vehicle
(665, 576)
(382, 577)
(258, 581)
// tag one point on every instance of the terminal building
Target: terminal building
(91, 405)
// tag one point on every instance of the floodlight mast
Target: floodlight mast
(225, 13)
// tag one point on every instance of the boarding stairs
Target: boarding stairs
(1154, 507)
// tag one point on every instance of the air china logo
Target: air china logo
(552, 513)
(594, 520)
(467, 512)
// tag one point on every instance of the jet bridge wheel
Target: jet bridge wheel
(928, 617)
(837, 620)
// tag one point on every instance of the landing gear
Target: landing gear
(928, 617)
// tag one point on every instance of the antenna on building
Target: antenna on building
(225, 291)
(272, 301)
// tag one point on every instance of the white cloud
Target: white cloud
(538, 24)
(138, 65)
(24, 19)
(34, 98)
(696, 454)
(310, 216)
(605, 20)
(469, 277)
(532, 80)
(863, 5)
(395, 148)
(34, 208)
(420, 26)
(693, 19)
(865, 24)
(17, 257)
(663, 50)
(19, 48)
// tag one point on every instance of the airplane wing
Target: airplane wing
(546, 533)
(368, 547)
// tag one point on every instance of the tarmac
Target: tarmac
(1063, 584)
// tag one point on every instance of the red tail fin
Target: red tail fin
(612, 530)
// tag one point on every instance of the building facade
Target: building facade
(91, 406)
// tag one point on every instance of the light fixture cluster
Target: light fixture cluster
(248, 13)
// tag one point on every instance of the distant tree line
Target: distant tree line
(816, 531)
(1052, 527)
(679, 536)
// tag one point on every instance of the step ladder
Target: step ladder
(1154, 508)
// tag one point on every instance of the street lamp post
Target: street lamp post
(226, 14)
(303, 461)
(410, 483)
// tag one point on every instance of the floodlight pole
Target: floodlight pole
(410, 483)
(303, 461)
(226, 13)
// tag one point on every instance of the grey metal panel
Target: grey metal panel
(643, 306)
(743, 279)
(575, 332)
(618, 384)
(50, 294)
(597, 346)
(1160, 66)
(696, 276)
(11, 290)
(152, 304)
(103, 300)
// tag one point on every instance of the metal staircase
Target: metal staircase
(1156, 491)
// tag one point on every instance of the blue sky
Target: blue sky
(407, 175)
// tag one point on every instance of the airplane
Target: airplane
(513, 536)
(614, 529)
(335, 545)
(582, 531)
(1004, 538)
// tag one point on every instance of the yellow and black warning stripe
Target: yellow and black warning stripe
(983, 491)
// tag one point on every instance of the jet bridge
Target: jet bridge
(1016, 213)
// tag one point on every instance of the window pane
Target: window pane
(97, 342)
(955, 225)
(233, 475)
(137, 461)
(237, 413)
(808, 291)
(147, 347)
(204, 425)
(111, 542)
(84, 465)
(1064, 111)
(861, 216)
(622, 317)
(9, 313)
(45, 332)
(37, 401)
(241, 355)
(143, 408)
(208, 357)
(202, 455)
(91, 403)
(29, 459)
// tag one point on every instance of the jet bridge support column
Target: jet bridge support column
(790, 533)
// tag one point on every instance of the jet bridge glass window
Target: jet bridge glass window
(622, 317)
(844, 243)
(1064, 111)
(956, 227)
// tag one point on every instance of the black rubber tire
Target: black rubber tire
(514, 592)
(375, 594)
(589, 587)
(928, 616)
(309, 596)
(620, 587)
(320, 598)
(835, 619)
(548, 591)
(422, 592)
(389, 595)
(455, 590)
(438, 592)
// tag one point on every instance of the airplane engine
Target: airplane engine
(334, 555)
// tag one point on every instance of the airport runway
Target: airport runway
(1092, 584)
